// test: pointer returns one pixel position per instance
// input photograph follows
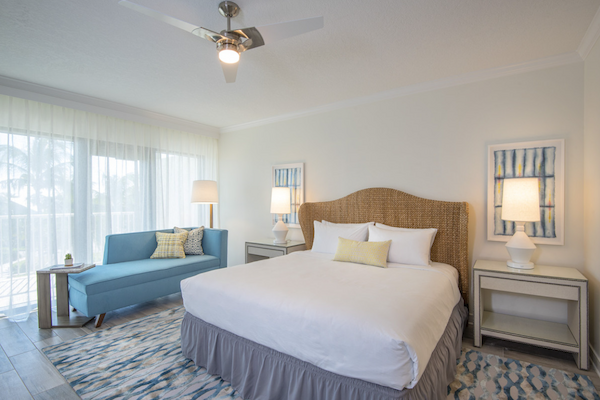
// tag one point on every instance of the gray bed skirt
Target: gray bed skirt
(259, 372)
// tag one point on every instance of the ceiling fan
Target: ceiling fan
(230, 43)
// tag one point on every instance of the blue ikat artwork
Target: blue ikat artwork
(536, 162)
(292, 178)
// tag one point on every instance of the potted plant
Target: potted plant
(68, 260)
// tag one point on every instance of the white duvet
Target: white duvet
(376, 324)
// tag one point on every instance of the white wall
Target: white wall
(432, 145)
(592, 193)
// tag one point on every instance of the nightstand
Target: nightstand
(566, 284)
(264, 249)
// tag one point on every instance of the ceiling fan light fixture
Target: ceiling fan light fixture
(230, 43)
(228, 53)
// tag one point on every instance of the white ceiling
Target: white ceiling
(100, 49)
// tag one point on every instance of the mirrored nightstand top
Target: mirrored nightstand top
(544, 271)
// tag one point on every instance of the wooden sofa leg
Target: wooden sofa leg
(99, 320)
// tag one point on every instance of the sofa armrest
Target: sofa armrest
(214, 243)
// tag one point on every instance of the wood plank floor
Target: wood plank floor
(26, 373)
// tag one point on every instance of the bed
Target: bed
(305, 327)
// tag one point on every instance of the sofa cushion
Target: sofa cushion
(170, 245)
(108, 277)
(193, 244)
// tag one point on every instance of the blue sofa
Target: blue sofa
(129, 276)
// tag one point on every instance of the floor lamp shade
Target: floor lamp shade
(280, 204)
(520, 203)
(205, 192)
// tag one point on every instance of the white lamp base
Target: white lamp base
(513, 264)
(521, 248)
(280, 231)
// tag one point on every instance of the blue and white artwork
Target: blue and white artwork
(292, 176)
(542, 160)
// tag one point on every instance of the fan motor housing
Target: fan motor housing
(229, 9)
(227, 46)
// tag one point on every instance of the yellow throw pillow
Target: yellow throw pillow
(170, 245)
(371, 253)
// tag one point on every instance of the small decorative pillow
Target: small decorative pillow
(370, 253)
(193, 244)
(170, 245)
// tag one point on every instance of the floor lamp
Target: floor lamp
(205, 192)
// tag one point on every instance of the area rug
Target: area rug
(486, 376)
(142, 360)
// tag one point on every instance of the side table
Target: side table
(62, 318)
(566, 284)
(263, 249)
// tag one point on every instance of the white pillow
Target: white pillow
(326, 236)
(348, 225)
(432, 231)
(411, 246)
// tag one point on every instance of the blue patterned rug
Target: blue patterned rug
(142, 360)
(485, 376)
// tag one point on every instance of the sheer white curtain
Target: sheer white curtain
(68, 178)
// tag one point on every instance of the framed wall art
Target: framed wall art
(540, 159)
(292, 176)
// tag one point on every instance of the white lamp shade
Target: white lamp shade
(205, 192)
(521, 200)
(280, 200)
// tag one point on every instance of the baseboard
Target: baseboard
(595, 360)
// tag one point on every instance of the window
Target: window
(69, 178)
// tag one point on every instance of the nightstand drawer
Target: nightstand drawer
(513, 285)
(259, 251)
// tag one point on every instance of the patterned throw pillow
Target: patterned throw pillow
(170, 245)
(193, 244)
(371, 253)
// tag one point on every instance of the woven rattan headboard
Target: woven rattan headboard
(396, 208)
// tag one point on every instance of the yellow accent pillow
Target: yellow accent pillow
(371, 253)
(170, 245)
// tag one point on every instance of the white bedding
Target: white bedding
(376, 324)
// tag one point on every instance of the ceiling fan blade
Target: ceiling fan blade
(230, 71)
(186, 26)
(208, 34)
(253, 36)
(284, 30)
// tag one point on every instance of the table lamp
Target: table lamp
(520, 203)
(280, 204)
(205, 192)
